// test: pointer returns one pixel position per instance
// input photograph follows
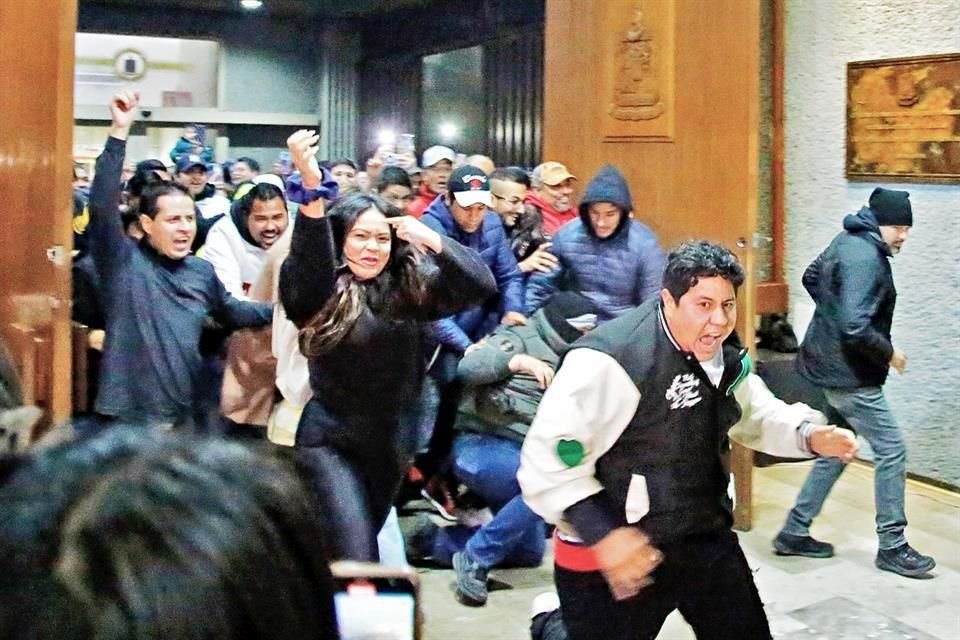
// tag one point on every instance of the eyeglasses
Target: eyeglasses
(511, 201)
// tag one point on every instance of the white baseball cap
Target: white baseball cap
(269, 178)
(435, 154)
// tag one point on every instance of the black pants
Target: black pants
(355, 495)
(707, 578)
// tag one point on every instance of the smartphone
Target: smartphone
(376, 602)
(405, 144)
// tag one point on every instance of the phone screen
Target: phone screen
(376, 609)
(405, 144)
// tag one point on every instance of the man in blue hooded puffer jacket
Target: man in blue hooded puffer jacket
(605, 255)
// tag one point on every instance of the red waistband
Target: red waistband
(573, 556)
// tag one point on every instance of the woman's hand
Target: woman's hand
(411, 230)
(303, 153)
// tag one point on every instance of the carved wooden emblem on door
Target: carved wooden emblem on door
(638, 76)
(636, 87)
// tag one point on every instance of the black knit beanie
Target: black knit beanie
(891, 208)
(562, 306)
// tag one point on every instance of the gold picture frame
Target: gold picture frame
(903, 119)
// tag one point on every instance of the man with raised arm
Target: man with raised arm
(156, 295)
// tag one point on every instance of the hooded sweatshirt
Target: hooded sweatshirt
(234, 254)
(847, 344)
(617, 273)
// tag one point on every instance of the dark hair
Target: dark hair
(135, 533)
(143, 175)
(330, 164)
(511, 174)
(250, 162)
(393, 176)
(695, 259)
(400, 285)
(153, 192)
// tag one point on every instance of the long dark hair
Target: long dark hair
(395, 291)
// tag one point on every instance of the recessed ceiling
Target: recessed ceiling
(279, 8)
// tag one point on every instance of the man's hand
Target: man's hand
(411, 230)
(626, 559)
(513, 319)
(833, 442)
(898, 361)
(123, 112)
(95, 339)
(540, 260)
(539, 369)
(406, 160)
(303, 153)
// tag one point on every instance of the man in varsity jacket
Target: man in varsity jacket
(626, 456)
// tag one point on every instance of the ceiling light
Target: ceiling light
(251, 5)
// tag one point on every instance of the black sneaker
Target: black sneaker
(904, 560)
(419, 534)
(471, 588)
(787, 544)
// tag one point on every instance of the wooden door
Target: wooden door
(36, 137)
(693, 166)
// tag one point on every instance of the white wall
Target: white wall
(821, 37)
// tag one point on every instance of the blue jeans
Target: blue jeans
(866, 410)
(488, 465)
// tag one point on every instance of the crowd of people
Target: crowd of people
(457, 328)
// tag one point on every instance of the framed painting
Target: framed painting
(903, 119)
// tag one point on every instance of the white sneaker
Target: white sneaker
(544, 603)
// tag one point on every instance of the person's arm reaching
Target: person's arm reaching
(773, 426)
(462, 280)
(109, 244)
(308, 275)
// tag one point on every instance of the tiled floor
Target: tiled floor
(844, 597)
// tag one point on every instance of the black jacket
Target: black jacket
(676, 439)
(847, 344)
(367, 386)
(154, 309)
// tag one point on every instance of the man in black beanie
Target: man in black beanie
(848, 353)
(504, 379)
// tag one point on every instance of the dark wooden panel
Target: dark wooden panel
(389, 99)
(35, 145)
(513, 70)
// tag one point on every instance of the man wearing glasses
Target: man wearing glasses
(525, 230)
